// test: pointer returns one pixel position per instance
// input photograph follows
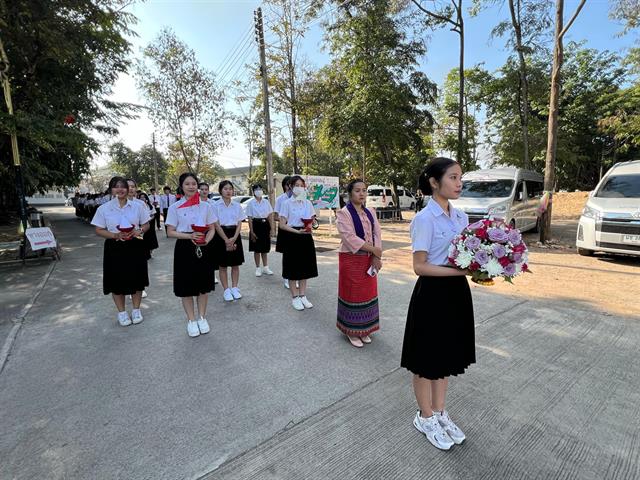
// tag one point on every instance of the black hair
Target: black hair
(144, 197)
(352, 184)
(183, 177)
(435, 169)
(203, 184)
(152, 189)
(113, 183)
(223, 184)
(132, 180)
(166, 187)
(255, 187)
(285, 182)
(294, 179)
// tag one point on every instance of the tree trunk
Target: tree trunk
(524, 83)
(552, 133)
(461, 118)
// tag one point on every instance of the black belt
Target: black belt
(263, 220)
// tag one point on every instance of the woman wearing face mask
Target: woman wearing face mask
(191, 266)
(282, 198)
(122, 222)
(227, 243)
(260, 216)
(299, 256)
(359, 262)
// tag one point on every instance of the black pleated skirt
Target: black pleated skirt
(150, 239)
(280, 239)
(124, 267)
(191, 275)
(262, 229)
(299, 257)
(439, 338)
(224, 258)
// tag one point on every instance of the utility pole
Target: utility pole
(257, 16)
(155, 162)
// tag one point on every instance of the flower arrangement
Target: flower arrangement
(489, 248)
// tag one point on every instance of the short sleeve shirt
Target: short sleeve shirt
(111, 215)
(258, 209)
(183, 218)
(432, 231)
(279, 202)
(229, 215)
(295, 210)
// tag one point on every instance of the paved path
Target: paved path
(272, 393)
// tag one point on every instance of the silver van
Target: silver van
(510, 193)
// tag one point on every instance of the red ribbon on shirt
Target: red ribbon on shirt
(195, 200)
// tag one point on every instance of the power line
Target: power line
(238, 63)
(230, 62)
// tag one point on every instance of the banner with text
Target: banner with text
(323, 191)
(40, 238)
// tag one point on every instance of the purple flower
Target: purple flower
(472, 243)
(498, 250)
(516, 257)
(510, 270)
(514, 237)
(476, 225)
(497, 235)
(481, 257)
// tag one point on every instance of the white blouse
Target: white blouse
(183, 218)
(283, 197)
(229, 216)
(295, 210)
(258, 209)
(110, 215)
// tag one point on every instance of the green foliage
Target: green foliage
(64, 57)
(138, 165)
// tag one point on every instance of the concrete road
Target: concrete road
(272, 393)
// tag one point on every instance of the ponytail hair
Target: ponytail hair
(435, 169)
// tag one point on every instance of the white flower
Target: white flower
(493, 268)
(464, 259)
(518, 268)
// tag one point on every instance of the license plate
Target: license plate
(631, 239)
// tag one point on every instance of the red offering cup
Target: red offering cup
(125, 230)
(307, 224)
(200, 229)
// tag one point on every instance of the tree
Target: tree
(452, 16)
(554, 101)
(63, 58)
(138, 165)
(184, 101)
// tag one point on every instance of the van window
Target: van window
(487, 188)
(375, 192)
(519, 197)
(534, 189)
(400, 192)
(388, 192)
(621, 186)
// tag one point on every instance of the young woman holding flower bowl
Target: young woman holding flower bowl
(439, 334)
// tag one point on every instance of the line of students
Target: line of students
(439, 333)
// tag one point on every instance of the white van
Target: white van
(510, 193)
(610, 221)
(381, 197)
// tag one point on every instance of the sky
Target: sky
(215, 30)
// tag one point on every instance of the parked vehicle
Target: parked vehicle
(510, 193)
(381, 197)
(610, 221)
(242, 200)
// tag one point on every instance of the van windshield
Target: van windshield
(621, 186)
(487, 188)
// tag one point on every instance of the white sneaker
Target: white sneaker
(215, 280)
(235, 291)
(451, 428)
(192, 328)
(123, 319)
(258, 272)
(228, 296)
(267, 271)
(144, 295)
(297, 303)
(286, 284)
(136, 316)
(203, 325)
(305, 302)
(433, 431)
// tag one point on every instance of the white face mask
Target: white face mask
(300, 193)
(258, 193)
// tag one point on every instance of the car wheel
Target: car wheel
(584, 252)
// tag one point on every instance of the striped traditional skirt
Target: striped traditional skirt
(358, 313)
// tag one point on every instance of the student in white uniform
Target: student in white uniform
(439, 334)
(191, 265)
(228, 245)
(166, 200)
(122, 223)
(261, 225)
(299, 256)
(150, 236)
(203, 188)
(133, 196)
(283, 197)
(155, 201)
